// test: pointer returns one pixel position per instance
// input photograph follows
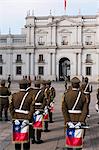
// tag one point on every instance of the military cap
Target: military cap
(37, 82)
(75, 80)
(86, 79)
(2, 82)
(44, 82)
(48, 82)
(23, 82)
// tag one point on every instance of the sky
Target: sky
(13, 12)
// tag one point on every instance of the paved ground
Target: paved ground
(54, 140)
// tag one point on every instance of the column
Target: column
(76, 64)
(32, 36)
(33, 65)
(10, 58)
(79, 35)
(54, 35)
(50, 36)
(79, 64)
(27, 64)
(54, 65)
(28, 39)
(97, 29)
(51, 63)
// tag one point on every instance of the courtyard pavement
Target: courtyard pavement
(55, 140)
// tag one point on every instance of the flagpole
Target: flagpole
(65, 3)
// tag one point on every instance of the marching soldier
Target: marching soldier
(46, 109)
(39, 109)
(74, 106)
(87, 89)
(52, 95)
(22, 108)
(4, 100)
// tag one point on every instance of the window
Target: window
(18, 70)
(1, 59)
(64, 40)
(22, 40)
(88, 71)
(41, 70)
(41, 41)
(0, 70)
(88, 40)
(41, 58)
(3, 40)
(18, 58)
(88, 58)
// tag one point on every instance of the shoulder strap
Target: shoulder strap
(77, 100)
(50, 88)
(37, 94)
(23, 100)
(86, 87)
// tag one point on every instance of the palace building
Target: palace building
(52, 47)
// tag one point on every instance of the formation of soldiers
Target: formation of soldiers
(26, 105)
(37, 101)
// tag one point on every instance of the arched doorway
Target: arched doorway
(64, 69)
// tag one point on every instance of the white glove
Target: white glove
(78, 125)
(37, 112)
(71, 125)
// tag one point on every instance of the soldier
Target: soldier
(52, 95)
(39, 109)
(97, 102)
(22, 108)
(46, 109)
(4, 100)
(74, 106)
(87, 89)
(9, 81)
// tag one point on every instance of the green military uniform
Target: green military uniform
(4, 100)
(27, 110)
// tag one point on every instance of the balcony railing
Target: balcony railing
(41, 43)
(41, 61)
(88, 61)
(88, 43)
(64, 43)
(18, 61)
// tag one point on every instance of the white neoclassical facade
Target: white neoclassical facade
(52, 47)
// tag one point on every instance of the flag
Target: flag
(20, 131)
(46, 116)
(51, 107)
(64, 4)
(37, 124)
(74, 137)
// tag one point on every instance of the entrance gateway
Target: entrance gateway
(64, 69)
